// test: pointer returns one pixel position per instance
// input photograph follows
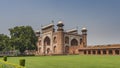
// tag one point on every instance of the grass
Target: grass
(69, 61)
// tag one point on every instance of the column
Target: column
(107, 52)
(113, 52)
(96, 52)
(101, 52)
(87, 52)
(91, 52)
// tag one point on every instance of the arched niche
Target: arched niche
(74, 42)
(47, 41)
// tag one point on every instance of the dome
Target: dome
(60, 22)
(84, 28)
(37, 31)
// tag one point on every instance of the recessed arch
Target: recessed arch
(98, 52)
(54, 49)
(116, 51)
(66, 40)
(93, 52)
(110, 52)
(48, 50)
(104, 52)
(74, 42)
(89, 52)
(47, 41)
(85, 52)
(54, 40)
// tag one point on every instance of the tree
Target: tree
(4, 43)
(23, 38)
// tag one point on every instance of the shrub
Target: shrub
(5, 58)
(22, 62)
(5, 64)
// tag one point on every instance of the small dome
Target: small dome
(60, 22)
(84, 28)
(37, 31)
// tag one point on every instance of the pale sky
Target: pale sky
(100, 17)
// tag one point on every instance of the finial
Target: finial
(52, 21)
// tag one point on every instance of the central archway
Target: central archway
(74, 42)
(67, 40)
(47, 41)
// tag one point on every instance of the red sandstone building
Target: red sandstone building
(51, 41)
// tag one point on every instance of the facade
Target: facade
(59, 41)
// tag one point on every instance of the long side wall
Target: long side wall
(101, 50)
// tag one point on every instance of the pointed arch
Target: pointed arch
(74, 42)
(54, 49)
(110, 52)
(116, 51)
(48, 50)
(104, 52)
(47, 41)
(54, 40)
(67, 40)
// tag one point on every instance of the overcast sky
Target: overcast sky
(100, 17)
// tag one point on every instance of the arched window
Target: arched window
(54, 40)
(110, 51)
(117, 52)
(84, 51)
(98, 52)
(89, 52)
(104, 51)
(54, 49)
(67, 40)
(48, 50)
(93, 51)
(47, 41)
(74, 42)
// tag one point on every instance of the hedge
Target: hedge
(6, 64)
(22, 62)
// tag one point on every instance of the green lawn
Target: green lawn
(71, 61)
